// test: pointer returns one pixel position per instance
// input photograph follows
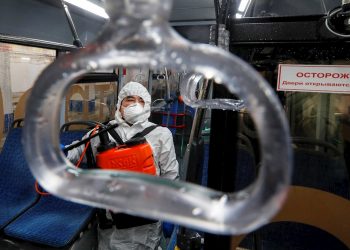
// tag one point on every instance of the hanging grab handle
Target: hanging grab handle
(139, 35)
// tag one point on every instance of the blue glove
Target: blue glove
(62, 146)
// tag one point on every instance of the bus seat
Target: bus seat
(19, 112)
(17, 192)
(205, 163)
(326, 216)
(52, 221)
(2, 117)
(68, 134)
(67, 137)
(39, 219)
(322, 171)
(246, 168)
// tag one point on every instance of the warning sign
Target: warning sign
(314, 78)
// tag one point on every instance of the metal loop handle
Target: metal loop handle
(188, 89)
(158, 46)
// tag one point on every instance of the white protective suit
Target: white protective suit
(161, 142)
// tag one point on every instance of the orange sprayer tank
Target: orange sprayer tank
(136, 155)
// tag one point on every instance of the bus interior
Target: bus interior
(216, 148)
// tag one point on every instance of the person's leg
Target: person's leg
(104, 238)
(146, 237)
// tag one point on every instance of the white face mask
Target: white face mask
(133, 113)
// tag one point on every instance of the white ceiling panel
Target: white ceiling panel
(185, 10)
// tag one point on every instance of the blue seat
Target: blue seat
(315, 169)
(67, 137)
(205, 164)
(52, 221)
(17, 192)
(292, 236)
(321, 171)
(246, 168)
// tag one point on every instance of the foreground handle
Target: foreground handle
(148, 41)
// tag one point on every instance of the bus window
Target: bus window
(19, 67)
(93, 102)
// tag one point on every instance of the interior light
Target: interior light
(89, 6)
(238, 15)
(25, 59)
(243, 5)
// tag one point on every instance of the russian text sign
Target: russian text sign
(314, 78)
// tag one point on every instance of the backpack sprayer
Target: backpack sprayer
(133, 155)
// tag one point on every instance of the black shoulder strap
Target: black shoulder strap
(90, 159)
(146, 131)
(116, 137)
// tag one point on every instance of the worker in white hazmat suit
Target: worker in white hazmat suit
(133, 111)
